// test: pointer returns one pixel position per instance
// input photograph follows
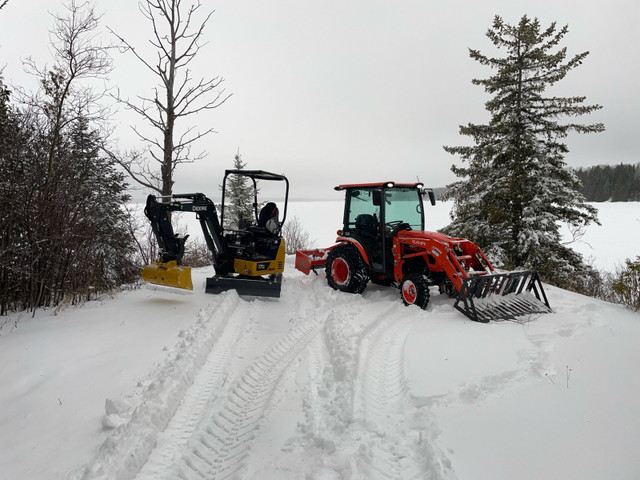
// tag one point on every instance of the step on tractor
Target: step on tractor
(248, 256)
(383, 241)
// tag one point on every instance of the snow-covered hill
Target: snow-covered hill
(156, 384)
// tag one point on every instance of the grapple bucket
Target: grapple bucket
(503, 296)
(168, 274)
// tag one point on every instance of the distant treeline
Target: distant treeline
(604, 183)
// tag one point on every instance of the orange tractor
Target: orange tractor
(383, 241)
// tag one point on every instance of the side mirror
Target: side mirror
(429, 192)
(377, 198)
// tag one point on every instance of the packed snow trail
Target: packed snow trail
(364, 420)
(380, 399)
(197, 400)
(219, 448)
(125, 452)
(326, 395)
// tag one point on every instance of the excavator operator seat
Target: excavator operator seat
(268, 218)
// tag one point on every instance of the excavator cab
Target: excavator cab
(248, 253)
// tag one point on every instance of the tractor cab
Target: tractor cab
(374, 213)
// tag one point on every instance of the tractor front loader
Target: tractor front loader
(383, 241)
(248, 258)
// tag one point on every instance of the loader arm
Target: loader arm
(482, 293)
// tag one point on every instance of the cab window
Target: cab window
(363, 203)
(403, 204)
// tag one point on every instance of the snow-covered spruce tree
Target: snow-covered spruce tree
(515, 189)
(239, 197)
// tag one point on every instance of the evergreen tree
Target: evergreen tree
(515, 189)
(239, 197)
(604, 183)
(63, 231)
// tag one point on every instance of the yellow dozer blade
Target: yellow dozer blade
(169, 274)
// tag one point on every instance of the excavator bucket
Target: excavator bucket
(168, 274)
(503, 296)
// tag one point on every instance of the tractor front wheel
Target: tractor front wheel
(414, 290)
(346, 269)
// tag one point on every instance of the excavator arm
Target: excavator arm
(169, 270)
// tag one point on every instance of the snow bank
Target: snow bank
(123, 453)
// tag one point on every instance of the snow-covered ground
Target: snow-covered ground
(155, 383)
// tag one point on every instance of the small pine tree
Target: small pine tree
(239, 197)
(516, 189)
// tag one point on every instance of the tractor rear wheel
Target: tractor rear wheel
(346, 270)
(414, 290)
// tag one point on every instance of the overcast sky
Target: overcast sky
(344, 91)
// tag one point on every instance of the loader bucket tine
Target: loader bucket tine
(503, 296)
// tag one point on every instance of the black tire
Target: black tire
(384, 281)
(346, 270)
(448, 289)
(414, 290)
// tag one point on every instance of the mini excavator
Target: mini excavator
(248, 257)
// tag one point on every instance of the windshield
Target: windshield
(403, 204)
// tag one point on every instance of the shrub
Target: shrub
(626, 284)
(295, 237)
(197, 254)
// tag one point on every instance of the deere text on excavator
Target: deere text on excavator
(248, 257)
(383, 241)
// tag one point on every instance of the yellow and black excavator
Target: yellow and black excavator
(248, 258)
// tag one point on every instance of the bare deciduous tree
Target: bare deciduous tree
(79, 57)
(177, 40)
(296, 237)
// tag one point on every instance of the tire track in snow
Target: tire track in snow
(220, 447)
(380, 392)
(397, 448)
(317, 359)
(368, 425)
(381, 385)
(194, 403)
